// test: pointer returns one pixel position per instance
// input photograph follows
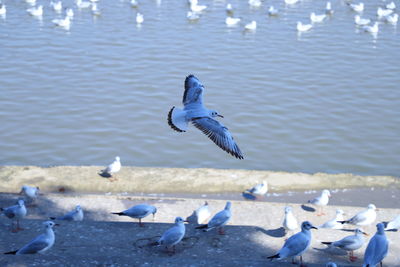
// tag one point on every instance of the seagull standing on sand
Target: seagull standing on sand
(138, 212)
(173, 235)
(296, 245)
(350, 243)
(201, 117)
(321, 201)
(15, 213)
(392, 225)
(111, 169)
(40, 244)
(219, 220)
(334, 224)
(377, 248)
(202, 214)
(74, 215)
(363, 218)
(30, 192)
(259, 190)
(289, 221)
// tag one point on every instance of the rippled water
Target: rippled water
(323, 101)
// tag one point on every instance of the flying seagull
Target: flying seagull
(202, 118)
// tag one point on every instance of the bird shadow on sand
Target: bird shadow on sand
(307, 208)
(248, 196)
(277, 233)
(104, 174)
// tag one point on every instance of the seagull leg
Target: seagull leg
(221, 231)
(140, 223)
(352, 258)
(294, 261)
(301, 262)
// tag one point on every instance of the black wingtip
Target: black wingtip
(326, 243)
(273, 257)
(118, 213)
(11, 252)
(52, 218)
(342, 222)
(170, 121)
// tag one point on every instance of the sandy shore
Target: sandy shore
(174, 180)
(253, 233)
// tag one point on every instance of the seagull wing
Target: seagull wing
(294, 246)
(193, 91)
(219, 219)
(36, 245)
(219, 134)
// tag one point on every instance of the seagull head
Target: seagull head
(214, 113)
(307, 226)
(179, 220)
(50, 224)
(288, 209)
(326, 192)
(154, 213)
(21, 202)
(78, 208)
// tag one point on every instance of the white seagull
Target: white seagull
(296, 245)
(173, 235)
(303, 27)
(291, 2)
(40, 244)
(112, 168)
(57, 6)
(374, 29)
(229, 8)
(317, 18)
(82, 4)
(252, 26)
(393, 225)
(219, 220)
(383, 12)
(31, 192)
(321, 201)
(328, 8)
(272, 11)
(391, 5)
(75, 215)
(259, 189)
(139, 18)
(69, 12)
(357, 7)
(95, 10)
(377, 248)
(230, 21)
(392, 19)
(289, 221)
(363, 218)
(35, 11)
(201, 117)
(360, 21)
(138, 212)
(192, 16)
(3, 9)
(350, 243)
(334, 224)
(15, 213)
(255, 3)
(197, 8)
(63, 23)
(202, 214)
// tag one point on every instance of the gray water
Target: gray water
(323, 101)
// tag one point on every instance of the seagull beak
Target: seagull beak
(220, 116)
(364, 233)
(57, 224)
(313, 227)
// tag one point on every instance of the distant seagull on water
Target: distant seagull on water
(3, 9)
(357, 7)
(303, 27)
(328, 8)
(202, 118)
(360, 21)
(272, 11)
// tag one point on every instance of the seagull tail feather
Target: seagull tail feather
(118, 213)
(326, 243)
(204, 226)
(276, 256)
(177, 119)
(11, 252)
(342, 222)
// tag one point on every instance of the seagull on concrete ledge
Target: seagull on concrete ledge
(201, 117)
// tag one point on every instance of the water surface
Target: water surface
(323, 101)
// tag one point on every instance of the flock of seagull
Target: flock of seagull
(296, 245)
(385, 13)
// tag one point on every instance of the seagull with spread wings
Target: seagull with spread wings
(202, 118)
